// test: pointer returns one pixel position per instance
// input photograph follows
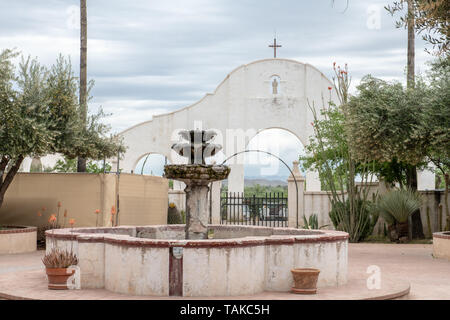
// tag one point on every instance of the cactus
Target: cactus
(173, 215)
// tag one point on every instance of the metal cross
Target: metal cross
(275, 46)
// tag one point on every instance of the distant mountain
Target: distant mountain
(249, 182)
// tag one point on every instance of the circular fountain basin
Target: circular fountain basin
(17, 239)
(441, 245)
(239, 260)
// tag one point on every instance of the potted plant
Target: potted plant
(305, 280)
(57, 263)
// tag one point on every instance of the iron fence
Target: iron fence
(268, 210)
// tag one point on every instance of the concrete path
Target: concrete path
(429, 277)
(403, 268)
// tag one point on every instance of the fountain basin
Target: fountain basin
(441, 245)
(240, 260)
(17, 239)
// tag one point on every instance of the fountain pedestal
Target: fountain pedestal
(197, 176)
(197, 211)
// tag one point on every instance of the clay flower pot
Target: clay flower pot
(305, 280)
(57, 278)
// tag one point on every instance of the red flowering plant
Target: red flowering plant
(56, 257)
(96, 212)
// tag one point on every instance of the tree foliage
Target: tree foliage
(388, 122)
(39, 115)
(383, 121)
(337, 166)
(70, 165)
(430, 18)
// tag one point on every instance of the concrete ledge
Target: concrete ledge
(240, 260)
(18, 239)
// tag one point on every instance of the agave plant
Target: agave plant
(312, 222)
(398, 205)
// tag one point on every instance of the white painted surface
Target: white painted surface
(426, 179)
(245, 101)
(212, 271)
(223, 271)
(137, 270)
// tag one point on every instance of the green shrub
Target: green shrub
(312, 222)
(365, 218)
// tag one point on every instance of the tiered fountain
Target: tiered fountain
(180, 260)
(197, 175)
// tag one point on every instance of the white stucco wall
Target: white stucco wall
(243, 100)
(223, 271)
(137, 270)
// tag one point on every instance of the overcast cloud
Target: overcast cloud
(149, 57)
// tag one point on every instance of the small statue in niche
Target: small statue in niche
(274, 86)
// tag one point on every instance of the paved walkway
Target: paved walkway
(429, 277)
(402, 267)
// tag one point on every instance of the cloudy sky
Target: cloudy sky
(149, 57)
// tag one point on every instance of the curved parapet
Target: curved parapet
(245, 101)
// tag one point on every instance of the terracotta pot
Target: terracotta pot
(57, 278)
(305, 280)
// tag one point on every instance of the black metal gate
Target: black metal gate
(268, 210)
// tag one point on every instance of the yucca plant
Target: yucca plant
(396, 206)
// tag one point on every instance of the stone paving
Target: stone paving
(402, 267)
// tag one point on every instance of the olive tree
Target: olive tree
(39, 114)
(411, 125)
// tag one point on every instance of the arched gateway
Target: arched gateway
(270, 93)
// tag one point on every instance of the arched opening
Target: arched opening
(268, 158)
(151, 164)
(264, 170)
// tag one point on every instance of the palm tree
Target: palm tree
(81, 166)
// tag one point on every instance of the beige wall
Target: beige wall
(142, 199)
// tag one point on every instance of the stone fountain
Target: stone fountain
(240, 260)
(197, 176)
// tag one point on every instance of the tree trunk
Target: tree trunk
(6, 181)
(411, 46)
(402, 230)
(416, 220)
(447, 182)
(81, 165)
